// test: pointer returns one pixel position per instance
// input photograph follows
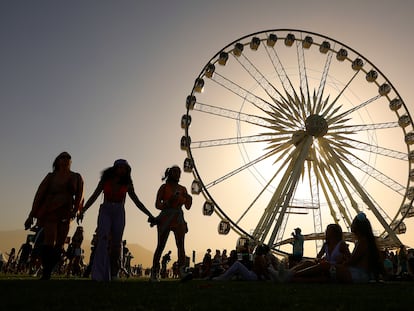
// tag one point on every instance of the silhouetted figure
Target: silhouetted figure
(75, 256)
(88, 269)
(57, 200)
(23, 256)
(297, 253)
(115, 183)
(206, 264)
(171, 196)
(10, 261)
(165, 260)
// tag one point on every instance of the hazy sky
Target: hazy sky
(108, 79)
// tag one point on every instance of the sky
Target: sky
(108, 79)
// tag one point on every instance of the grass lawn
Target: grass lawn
(27, 293)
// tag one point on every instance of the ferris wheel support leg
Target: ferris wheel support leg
(293, 180)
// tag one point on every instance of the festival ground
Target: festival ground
(28, 293)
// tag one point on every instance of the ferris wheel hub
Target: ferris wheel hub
(316, 125)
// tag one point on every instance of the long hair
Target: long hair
(109, 174)
(55, 165)
(336, 231)
(362, 227)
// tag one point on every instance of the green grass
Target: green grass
(26, 293)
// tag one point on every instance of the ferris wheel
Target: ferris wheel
(288, 128)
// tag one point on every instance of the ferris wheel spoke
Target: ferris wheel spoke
(376, 174)
(313, 180)
(279, 122)
(348, 188)
(280, 102)
(304, 86)
(372, 172)
(351, 129)
(315, 192)
(360, 145)
(332, 189)
(261, 80)
(231, 114)
(282, 124)
(348, 193)
(330, 110)
(380, 209)
(364, 196)
(238, 170)
(352, 110)
(281, 72)
(240, 140)
(288, 111)
(259, 194)
(320, 104)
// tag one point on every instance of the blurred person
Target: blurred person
(410, 261)
(10, 260)
(115, 183)
(388, 266)
(206, 264)
(75, 256)
(2, 261)
(23, 256)
(217, 264)
(259, 270)
(402, 261)
(272, 264)
(297, 253)
(35, 260)
(57, 200)
(165, 260)
(224, 259)
(125, 252)
(127, 264)
(233, 257)
(171, 197)
(88, 268)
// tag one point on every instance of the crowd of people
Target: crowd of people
(334, 262)
(60, 199)
(72, 262)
